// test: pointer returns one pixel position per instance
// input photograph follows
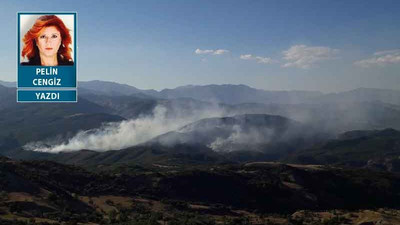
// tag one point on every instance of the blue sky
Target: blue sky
(273, 45)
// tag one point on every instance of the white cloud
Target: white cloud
(381, 58)
(264, 60)
(304, 57)
(259, 59)
(220, 52)
(246, 57)
(201, 52)
(210, 52)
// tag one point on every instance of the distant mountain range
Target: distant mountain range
(361, 95)
(112, 88)
(237, 94)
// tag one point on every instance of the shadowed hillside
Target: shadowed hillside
(378, 149)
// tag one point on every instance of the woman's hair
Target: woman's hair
(30, 49)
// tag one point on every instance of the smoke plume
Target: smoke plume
(120, 135)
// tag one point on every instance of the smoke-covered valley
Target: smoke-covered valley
(119, 135)
(272, 127)
(219, 126)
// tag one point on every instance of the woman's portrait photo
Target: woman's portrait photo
(47, 40)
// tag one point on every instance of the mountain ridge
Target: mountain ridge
(240, 93)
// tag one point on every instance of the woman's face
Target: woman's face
(49, 41)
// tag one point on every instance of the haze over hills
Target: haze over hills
(355, 109)
(112, 88)
(238, 94)
(39, 122)
(7, 97)
(226, 93)
(137, 105)
(8, 83)
(250, 132)
(361, 95)
(23, 123)
(270, 137)
(191, 146)
(181, 117)
(355, 112)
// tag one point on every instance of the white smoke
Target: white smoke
(239, 138)
(120, 135)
